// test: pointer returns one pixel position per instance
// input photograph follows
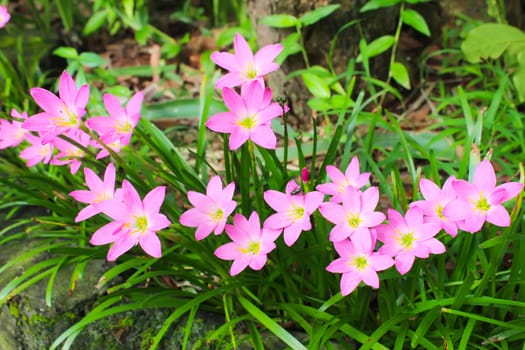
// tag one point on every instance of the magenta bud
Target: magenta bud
(305, 175)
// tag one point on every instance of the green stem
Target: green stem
(256, 183)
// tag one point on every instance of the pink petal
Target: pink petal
(380, 262)
(48, 101)
(113, 106)
(291, 234)
(404, 263)
(237, 139)
(429, 190)
(239, 265)
(370, 277)
(150, 243)
(153, 200)
(349, 282)
(257, 262)
(264, 137)
(263, 59)
(134, 104)
(222, 122)
(484, 177)
(512, 189)
(86, 213)
(243, 52)
(121, 246)
(339, 265)
(229, 80)
(498, 216)
(225, 60)
(312, 201)
(106, 234)
(234, 102)
(268, 113)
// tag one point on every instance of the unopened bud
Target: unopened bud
(305, 175)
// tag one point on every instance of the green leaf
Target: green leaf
(271, 325)
(377, 47)
(490, 40)
(316, 85)
(414, 19)
(519, 77)
(316, 15)
(290, 46)
(377, 4)
(91, 59)
(399, 73)
(94, 22)
(280, 21)
(66, 52)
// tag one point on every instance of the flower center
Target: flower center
(124, 128)
(217, 215)
(140, 225)
(482, 204)
(248, 122)
(296, 213)
(354, 220)
(251, 73)
(360, 262)
(439, 211)
(406, 240)
(66, 119)
(253, 248)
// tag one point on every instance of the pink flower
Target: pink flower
(211, 210)
(352, 178)
(249, 117)
(408, 237)
(135, 222)
(293, 211)
(37, 152)
(243, 66)
(60, 114)
(121, 121)
(354, 216)
(12, 133)
(4, 16)
(99, 190)
(358, 262)
(435, 202)
(250, 245)
(481, 200)
(69, 153)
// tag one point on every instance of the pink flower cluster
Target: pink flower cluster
(252, 111)
(135, 221)
(366, 240)
(58, 136)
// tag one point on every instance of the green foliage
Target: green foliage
(491, 41)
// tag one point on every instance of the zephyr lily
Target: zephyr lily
(211, 211)
(249, 116)
(243, 65)
(135, 221)
(99, 190)
(37, 152)
(435, 202)
(69, 153)
(481, 200)
(121, 121)
(12, 133)
(406, 238)
(352, 178)
(293, 211)
(354, 216)
(358, 262)
(61, 114)
(250, 245)
(4, 16)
